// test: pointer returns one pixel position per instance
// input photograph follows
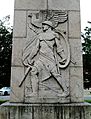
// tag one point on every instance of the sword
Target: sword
(26, 73)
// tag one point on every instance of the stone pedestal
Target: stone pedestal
(45, 111)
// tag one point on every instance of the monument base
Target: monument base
(45, 111)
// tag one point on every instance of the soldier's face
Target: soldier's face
(45, 27)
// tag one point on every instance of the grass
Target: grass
(89, 101)
(2, 101)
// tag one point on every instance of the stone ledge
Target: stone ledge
(46, 104)
(45, 111)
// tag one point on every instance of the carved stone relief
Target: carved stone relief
(46, 55)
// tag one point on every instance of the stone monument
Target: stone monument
(47, 57)
(47, 72)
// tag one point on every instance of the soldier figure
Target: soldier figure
(42, 59)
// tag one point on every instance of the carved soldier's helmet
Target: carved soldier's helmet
(49, 23)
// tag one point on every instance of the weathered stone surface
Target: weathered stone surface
(74, 24)
(18, 45)
(20, 24)
(49, 91)
(76, 84)
(17, 94)
(76, 52)
(45, 111)
(46, 78)
(30, 4)
(64, 4)
(51, 4)
(41, 42)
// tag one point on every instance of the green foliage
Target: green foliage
(89, 101)
(5, 51)
(87, 40)
(3, 101)
(86, 44)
